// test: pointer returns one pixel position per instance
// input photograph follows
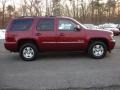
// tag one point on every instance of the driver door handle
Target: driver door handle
(61, 34)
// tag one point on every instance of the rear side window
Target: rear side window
(21, 25)
(45, 25)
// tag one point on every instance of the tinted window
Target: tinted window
(45, 24)
(66, 25)
(21, 25)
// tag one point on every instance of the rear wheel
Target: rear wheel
(28, 52)
(97, 49)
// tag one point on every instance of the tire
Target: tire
(97, 50)
(28, 52)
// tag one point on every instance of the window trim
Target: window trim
(46, 29)
(28, 28)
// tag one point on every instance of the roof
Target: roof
(42, 17)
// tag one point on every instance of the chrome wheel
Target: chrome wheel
(28, 52)
(98, 50)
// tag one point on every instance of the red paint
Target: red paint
(55, 40)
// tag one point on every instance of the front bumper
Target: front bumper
(111, 45)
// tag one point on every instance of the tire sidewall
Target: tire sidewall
(90, 50)
(28, 45)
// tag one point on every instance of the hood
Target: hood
(99, 31)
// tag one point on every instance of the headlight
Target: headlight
(112, 36)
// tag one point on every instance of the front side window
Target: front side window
(21, 25)
(45, 25)
(66, 25)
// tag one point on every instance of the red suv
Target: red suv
(30, 35)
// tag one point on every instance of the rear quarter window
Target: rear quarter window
(21, 24)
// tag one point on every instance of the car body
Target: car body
(30, 35)
(111, 27)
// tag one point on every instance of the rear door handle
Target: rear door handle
(38, 34)
(61, 34)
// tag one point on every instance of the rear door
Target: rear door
(67, 37)
(46, 34)
(19, 29)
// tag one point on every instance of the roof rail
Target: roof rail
(26, 16)
(49, 16)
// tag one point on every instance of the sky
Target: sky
(10, 2)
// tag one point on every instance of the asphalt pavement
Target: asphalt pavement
(63, 70)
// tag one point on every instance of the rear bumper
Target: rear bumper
(11, 46)
(111, 45)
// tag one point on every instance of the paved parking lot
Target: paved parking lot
(59, 70)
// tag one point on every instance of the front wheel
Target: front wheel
(28, 52)
(97, 50)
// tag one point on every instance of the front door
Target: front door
(67, 37)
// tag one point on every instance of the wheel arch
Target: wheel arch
(98, 39)
(23, 41)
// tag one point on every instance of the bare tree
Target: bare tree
(32, 7)
(10, 9)
(56, 7)
(111, 4)
(3, 3)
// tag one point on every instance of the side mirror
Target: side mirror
(77, 28)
